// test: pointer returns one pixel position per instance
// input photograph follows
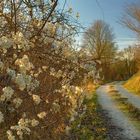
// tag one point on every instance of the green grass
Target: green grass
(91, 125)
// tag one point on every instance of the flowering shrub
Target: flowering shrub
(41, 86)
(37, 94)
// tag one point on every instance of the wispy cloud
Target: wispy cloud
(125, 42)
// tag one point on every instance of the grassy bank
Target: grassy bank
(133, 84)
(89, 126)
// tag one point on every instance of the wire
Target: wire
(102, 11)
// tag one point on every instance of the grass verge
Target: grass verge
(90, 125)
(133, 84)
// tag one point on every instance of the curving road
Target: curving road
(124, 130)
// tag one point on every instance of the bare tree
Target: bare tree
(131, 18)
(128, 56)
(137, 56)
(99, 43)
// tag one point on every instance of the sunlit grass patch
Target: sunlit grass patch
(90, 87)
(133, 84)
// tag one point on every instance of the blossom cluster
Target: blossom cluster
(23, 127)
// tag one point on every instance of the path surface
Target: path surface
(134, 99)
(124, 130)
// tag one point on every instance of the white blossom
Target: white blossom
(14, 56)
(34, 122)
(56, 107)
(7, 93)
(67, 129)
(47, 101)
(44, 68)
(33, 85)
(24, 64)
(11, 73)
(17, 102)
(26, 82)
(42, 115)
(39, 70)
(22, 127)
(20, 80)
(23, 43)
(6, 42)
(36, 99)
(1, 117)
(10, 135)
(36, 75)
(1, 65)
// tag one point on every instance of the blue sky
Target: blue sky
(108, 10)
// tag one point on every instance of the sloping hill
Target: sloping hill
(133, 84)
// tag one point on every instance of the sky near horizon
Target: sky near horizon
(110, 11)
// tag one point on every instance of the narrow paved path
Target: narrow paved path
(125, 131)
(134, 99)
